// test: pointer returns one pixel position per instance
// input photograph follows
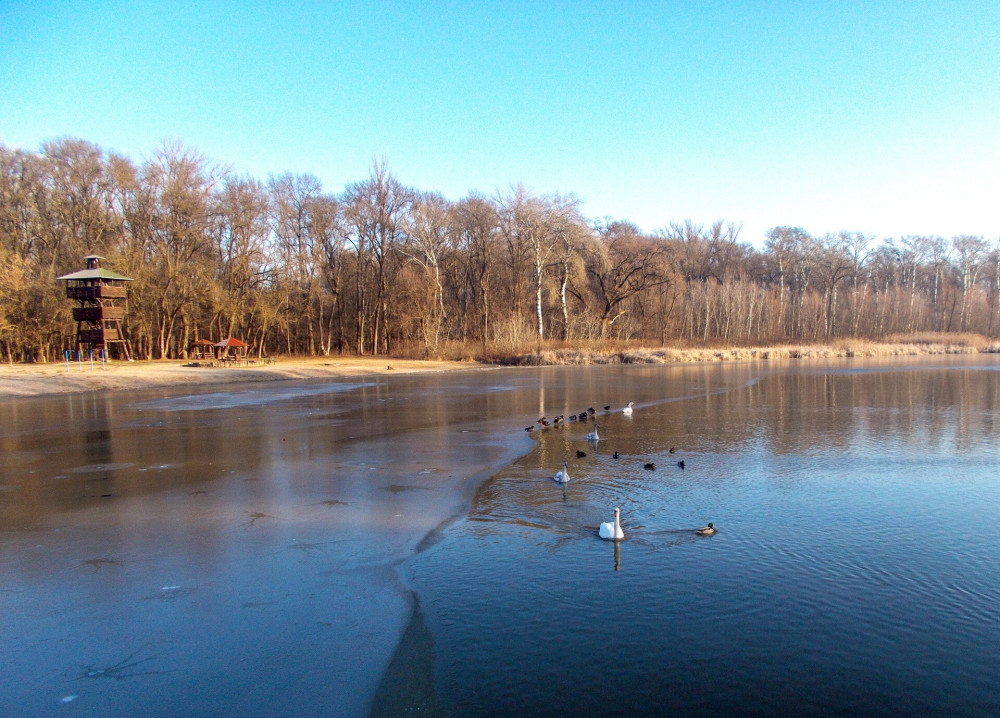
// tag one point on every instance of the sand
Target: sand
(29, 380)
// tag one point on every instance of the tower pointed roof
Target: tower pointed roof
(97, 273)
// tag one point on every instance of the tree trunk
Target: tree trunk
(562, 302)
(538, 303)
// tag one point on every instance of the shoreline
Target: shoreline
(38, 380)
(575, 356)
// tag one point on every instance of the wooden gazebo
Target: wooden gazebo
(230, 349)
(98, 317)
(202, 348)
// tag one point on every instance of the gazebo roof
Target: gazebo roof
(230, 342)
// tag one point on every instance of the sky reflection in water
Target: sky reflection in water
(165, 552)
(855, 568)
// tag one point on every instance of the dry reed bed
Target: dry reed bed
(668, 355)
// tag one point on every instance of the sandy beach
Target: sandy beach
(27, 380)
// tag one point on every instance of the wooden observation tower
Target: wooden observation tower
(98, 317)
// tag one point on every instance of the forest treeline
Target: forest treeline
(382, 268)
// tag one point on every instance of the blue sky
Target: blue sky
(882, 117)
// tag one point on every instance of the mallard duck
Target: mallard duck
(707, 530)
(649, 466)
(581, 454)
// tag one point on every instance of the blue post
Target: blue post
(66, 357)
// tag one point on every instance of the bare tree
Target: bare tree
(376, 209)
(620, 265)
(326, 225)
(783, 244)
(971, 252)
(181, 183)
(477, 228)
(242, 229)
(427, 242)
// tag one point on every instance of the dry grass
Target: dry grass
(910, 345)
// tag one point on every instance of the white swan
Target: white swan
(612, 531)
(627, 411)
(562, 477)
(592, 436)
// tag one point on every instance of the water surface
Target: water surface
(253, 551)
(855, 569)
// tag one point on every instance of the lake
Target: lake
(260, 551)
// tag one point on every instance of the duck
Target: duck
(612, 531)
(627, 411)
(707, 530)
(607, 407)
(581, 454)
(530, 428)
(562, 477)
(616, 455)
(592, 436)
(649, 466)
(681, 463)
(583, 416)
(672, 450)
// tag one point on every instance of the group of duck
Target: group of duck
(585, 415)
(609, 530)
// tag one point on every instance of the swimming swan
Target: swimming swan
(612, 531)
(562, 477)
(706, 530)
(627, 411)
(592, 436)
